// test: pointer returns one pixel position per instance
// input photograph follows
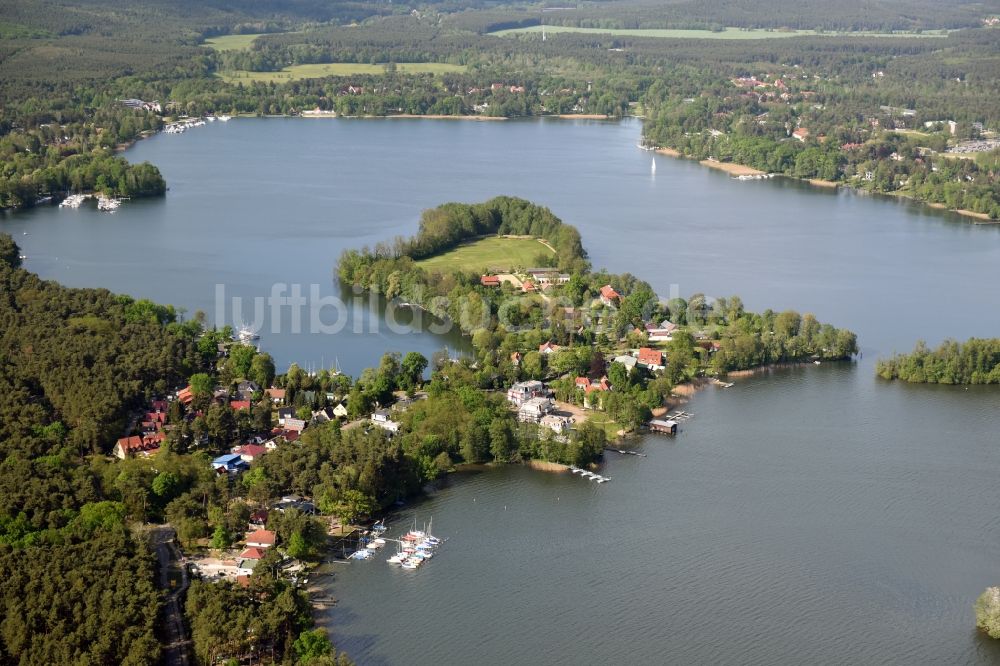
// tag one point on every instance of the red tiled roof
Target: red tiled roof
(489, 281)
(609, 293)
(252, 450)
(185, 395)
(527, 286)
(583, 382)
(252, 553)
(649, 356)
(263, 537)
(237, 405)
(548, 346)
(275, 393)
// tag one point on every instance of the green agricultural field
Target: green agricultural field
(488, 253)
(319, 70)
(231, 42)
(728, 33)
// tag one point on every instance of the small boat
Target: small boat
(398, 558)
(375, 544)
(225, 119)
(410, 564)
(246, 334)
(652, 167)
(362, 554)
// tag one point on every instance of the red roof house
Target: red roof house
(609, 296)
(651, 358)
(251, 553)
(237, 405)
(260, 539)
(490, 281)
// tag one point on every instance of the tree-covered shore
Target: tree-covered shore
(975, 361)
(872, 112)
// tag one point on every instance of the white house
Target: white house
(557, 423)
(533, 410)
(523, 391)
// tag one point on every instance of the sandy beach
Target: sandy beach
(732, 169)
(967, 213)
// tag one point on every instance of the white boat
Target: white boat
(246, 334)
(225, 119)
(398, 558)
(375, 544)
(73, 201)
(362, 554)
(410, 564)
(108, 204)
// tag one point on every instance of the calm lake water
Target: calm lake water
(813, 515)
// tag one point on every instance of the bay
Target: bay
(809, 515)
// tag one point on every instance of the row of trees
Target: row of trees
(976, 361)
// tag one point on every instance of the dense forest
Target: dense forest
(63, 70)
(976, 361)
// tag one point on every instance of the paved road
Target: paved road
(176, 643)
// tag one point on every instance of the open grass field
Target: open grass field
(728, 33)
(319, 70)
(231, 42)
(492, 252)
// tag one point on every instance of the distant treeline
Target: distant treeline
(976, 361)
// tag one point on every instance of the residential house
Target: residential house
(260, 539)
(661, 332)
(528, 287)
(557, 423)
(340, 410)
(801, 134)
(382, 419)
(532, 410)
(250, 452)
(515, 358)
(238, 405)
(252, 553)
(651, 358)
(246, 389)
(628, 361)
(258, 519)
(285, 413)
(609, 296)
(295, 425)
(593, 393)
(277, 395)
(521, 392)
(245, 567)
(548, 348)
(324, 415)
(136, 445)
(185, 395)
(231, 463)
(490, 281)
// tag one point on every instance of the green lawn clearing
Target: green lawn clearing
(493, 252)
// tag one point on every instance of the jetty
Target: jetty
(587, 474)
(625, 452)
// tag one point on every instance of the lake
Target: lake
(808, 515)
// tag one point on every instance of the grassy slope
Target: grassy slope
(315, 71)
(728, 33)
(488, 253)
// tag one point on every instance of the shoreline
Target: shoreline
(982, 217)
(735, 169)
(732, 168)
